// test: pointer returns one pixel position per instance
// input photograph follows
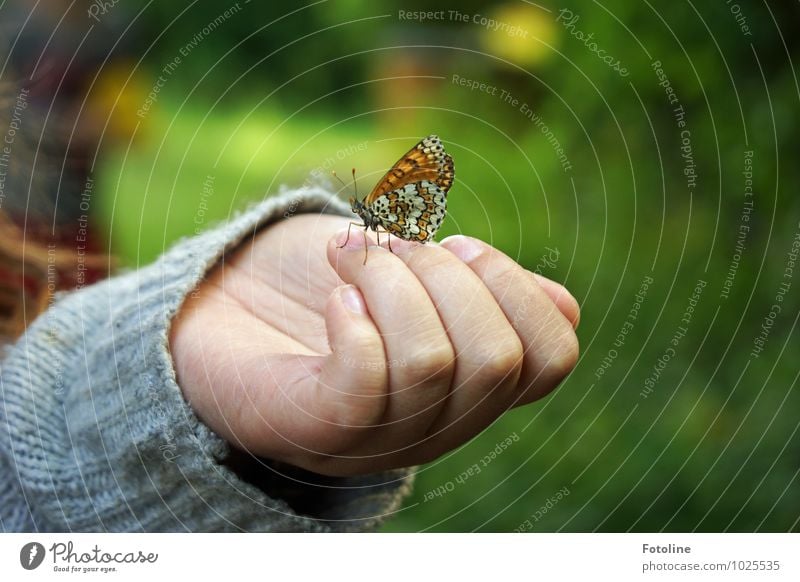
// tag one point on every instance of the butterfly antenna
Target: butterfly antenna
(355, 188)
(335, 175)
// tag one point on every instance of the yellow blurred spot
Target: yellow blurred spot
(519, 33)
(113, 101)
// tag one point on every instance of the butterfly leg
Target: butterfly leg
(366, 247)
(388, 239)
(348, 234)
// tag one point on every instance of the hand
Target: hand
(295, 350)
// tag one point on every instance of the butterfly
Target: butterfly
(410, 201)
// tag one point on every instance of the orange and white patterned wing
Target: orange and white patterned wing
(426, 161)
(413, 212)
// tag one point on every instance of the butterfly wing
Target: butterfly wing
(426, 161)
(413, 212)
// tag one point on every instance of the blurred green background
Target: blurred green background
(710, 442)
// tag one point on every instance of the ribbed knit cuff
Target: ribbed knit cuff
(98, 435)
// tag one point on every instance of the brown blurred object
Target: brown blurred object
(407, 82)
(64, 84)
(31, 273)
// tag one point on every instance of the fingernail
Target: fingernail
(352, 300)
(465, 248)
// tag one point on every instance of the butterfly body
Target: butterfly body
(410, 201)
(365, 214)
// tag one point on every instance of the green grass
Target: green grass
(692, 455)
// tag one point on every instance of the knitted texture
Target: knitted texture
(95, 434)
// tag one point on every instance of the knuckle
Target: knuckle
(502, 363)
(433, 365)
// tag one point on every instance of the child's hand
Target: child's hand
(414, 354)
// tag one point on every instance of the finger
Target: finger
(548, 338)
(351, 391)
(564, 300)
(419, 356)
(489, 353)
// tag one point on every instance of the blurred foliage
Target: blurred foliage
(276, 90)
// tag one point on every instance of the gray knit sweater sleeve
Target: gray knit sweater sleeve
(95, 434)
